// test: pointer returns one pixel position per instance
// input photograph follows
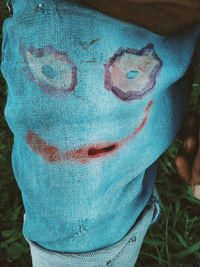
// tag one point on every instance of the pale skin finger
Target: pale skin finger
(184, 168)
(184, 161)
(188, 161)
(196, 173)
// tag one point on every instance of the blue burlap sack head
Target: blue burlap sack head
(92, 102)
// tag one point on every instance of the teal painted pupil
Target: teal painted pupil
(48, 71)
(131, 74)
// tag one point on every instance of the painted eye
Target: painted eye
(49, 72)
(51, 69)
(131, 74)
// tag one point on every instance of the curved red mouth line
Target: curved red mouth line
(84, 154)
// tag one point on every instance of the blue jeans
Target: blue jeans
(125, 252)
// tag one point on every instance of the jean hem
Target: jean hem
(107, 255)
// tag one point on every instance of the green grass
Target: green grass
(173, 241)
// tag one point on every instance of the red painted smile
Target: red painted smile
(84, 154)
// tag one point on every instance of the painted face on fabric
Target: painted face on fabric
(51, 69)
(129, 74)
(52, 153)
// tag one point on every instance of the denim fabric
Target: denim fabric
(123, 253)
(92, 102)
